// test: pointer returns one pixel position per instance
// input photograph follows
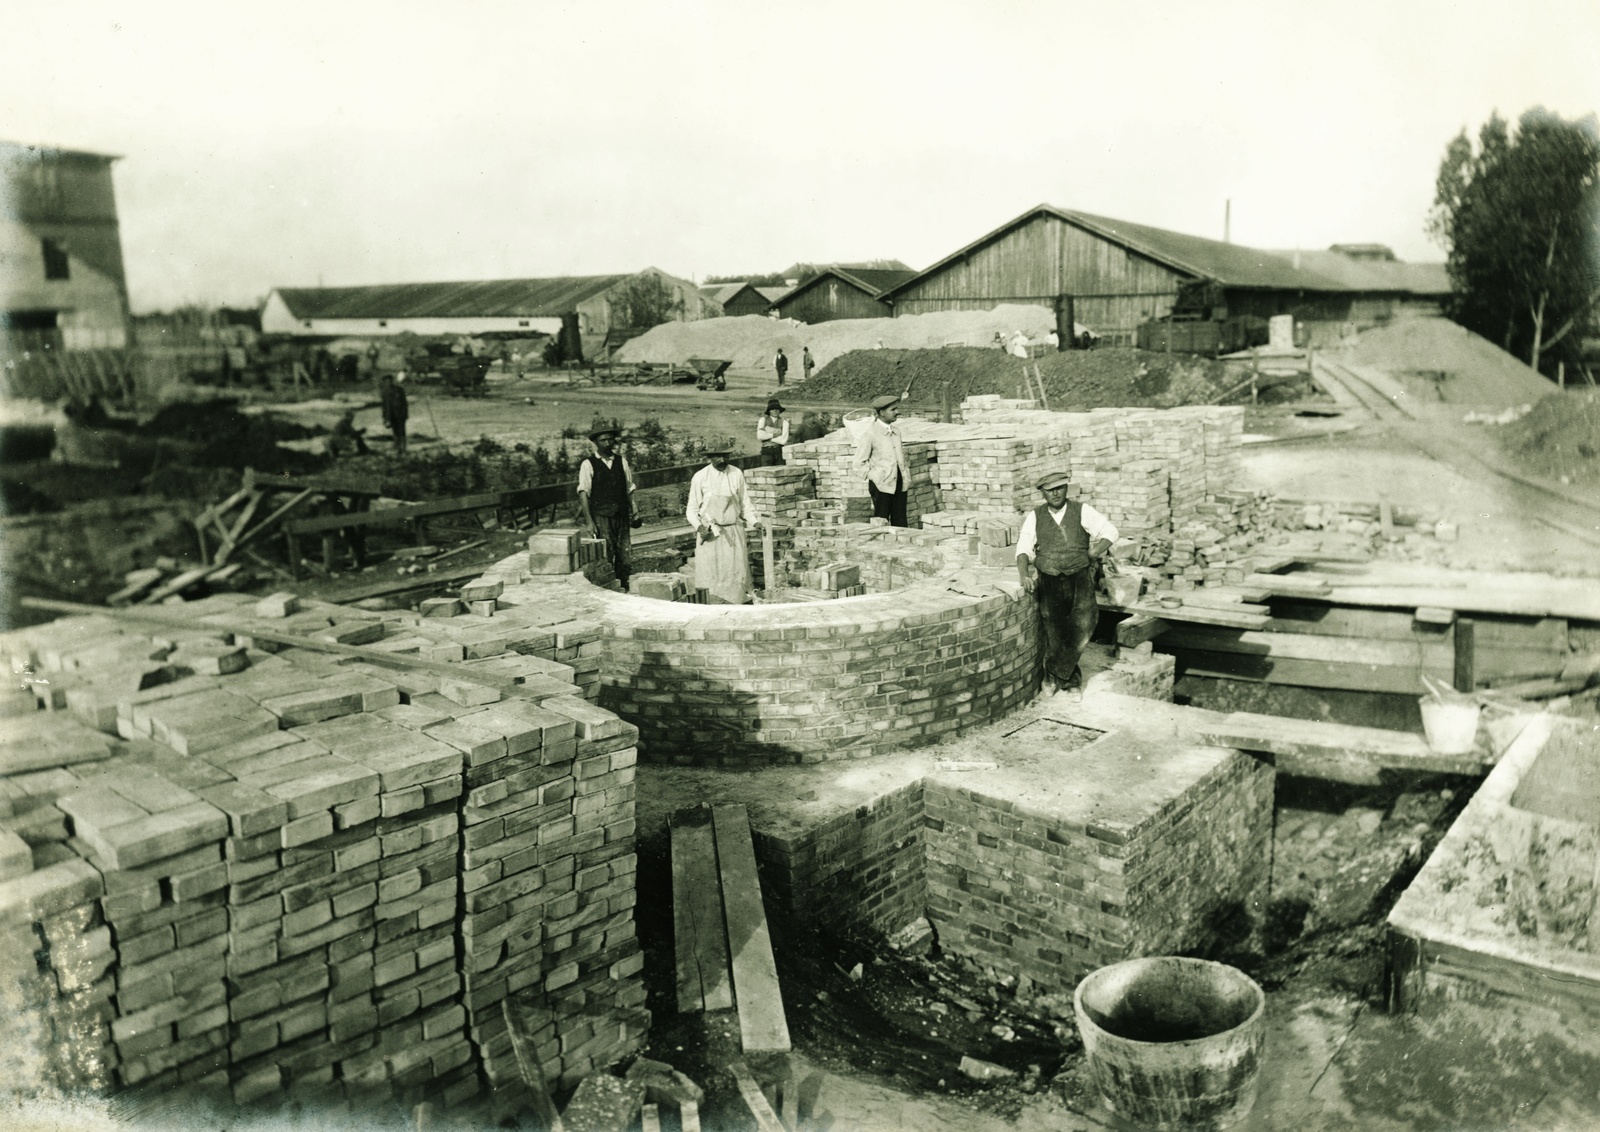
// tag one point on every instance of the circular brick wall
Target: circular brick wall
(757, 685)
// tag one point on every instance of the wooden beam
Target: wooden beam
(1135, 630)
(1434, 615)
(763, 1026)
(766, 1120)
(265, 524)
(1465, 677)
(1334, 751)
(700, 946)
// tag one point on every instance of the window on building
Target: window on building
(522, 322)
(306, 322)
(383, 322)
(56, 265)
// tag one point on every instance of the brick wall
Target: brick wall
(306, 877)
(861, 870)
(1052, 892)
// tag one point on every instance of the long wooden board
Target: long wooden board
(754, 1099)
(1334, 751)
(1305, 673)
(1195, 614)
(1432, 656)
(700, 945)
(763, 1026)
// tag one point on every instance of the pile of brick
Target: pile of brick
(664, 587)
(838, 475)
(561, 550)
(780, 494)
(306, 876)
(995, 474)
(881, 558)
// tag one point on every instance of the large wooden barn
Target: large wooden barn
(842, 292)
(1120, 274)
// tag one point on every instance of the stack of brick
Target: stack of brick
(779, 494)
(893, 558)
(839, 476)
(276, 855)
(562, 550)
(1174, 440)
(158, 847)
(995, 475)
(548, 884)
(55, 961)
(661, 587)
(997, 539)
(952, 524)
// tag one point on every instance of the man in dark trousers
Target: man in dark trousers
(605, 496)
(882, 455)
(781, 364)
(1057, 548)
(392, 396)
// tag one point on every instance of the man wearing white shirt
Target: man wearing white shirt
(719, 510)
(1057, 548)
(882, 456)
(605, 498)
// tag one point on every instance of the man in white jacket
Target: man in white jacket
(882, 455)
(719, 509)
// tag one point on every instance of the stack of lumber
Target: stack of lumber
(168, 580)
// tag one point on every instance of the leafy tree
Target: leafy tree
(1519, 216)
(645, 301)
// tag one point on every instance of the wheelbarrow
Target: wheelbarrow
(710, 372)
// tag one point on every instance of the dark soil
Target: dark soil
(1075, 379)
(1560, 437)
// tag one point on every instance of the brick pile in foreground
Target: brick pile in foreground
(266, 874)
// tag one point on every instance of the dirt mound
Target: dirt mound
(1561, 437)
(1447, 362)
(216, 434)
(1076, 379)
(750, 341)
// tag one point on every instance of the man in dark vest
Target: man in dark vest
(1056, 552)
(605, 496)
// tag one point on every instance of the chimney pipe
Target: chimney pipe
(1227, 221)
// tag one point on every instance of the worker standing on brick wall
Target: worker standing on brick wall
(605, 496)
(883, 456)
(772, 433)
(1057, 549)
(719, 510)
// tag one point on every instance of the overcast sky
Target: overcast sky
(344, 142)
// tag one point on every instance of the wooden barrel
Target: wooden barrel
(1173, 1043)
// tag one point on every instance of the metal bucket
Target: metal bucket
(1451, 728)
(1173, 1043)
(856, 422)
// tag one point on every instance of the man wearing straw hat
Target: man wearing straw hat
(883, 456)
(719, 509)
(605, 498)
(1057, 548)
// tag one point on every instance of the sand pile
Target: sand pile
(750, 341)
(1561, 437)
(1076, 379)
(1439, 360)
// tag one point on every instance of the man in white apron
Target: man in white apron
(719, 510)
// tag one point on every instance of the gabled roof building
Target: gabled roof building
(842, 292)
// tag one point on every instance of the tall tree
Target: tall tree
(644, 301)
(1519, 216)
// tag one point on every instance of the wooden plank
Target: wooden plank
(1302, 673)
(1135, 630)
(1297, 615)
(1222, 600)
(649, 1119)
(1289, 585)
(689, 1116)
(176, 584)
(543, 1105)
(1463, 676)
(766, 1119)
(1304, 646)
(762, 1024)
(1195, 615)
(1334, 751)
(245, 515)
(704, 979)
(270, 520)
(1435, 615)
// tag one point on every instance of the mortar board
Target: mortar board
(880, 403)
(1053, 479)
(599, 432)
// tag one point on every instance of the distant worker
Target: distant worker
(1057, 549)
(805, 361)
(347, 439)
(392, 395)
(883, 455)
(605, 497)
(999, 342)
(1019, 344)
(781, 364)
(372, 357)
(772, 433)
(719, 509)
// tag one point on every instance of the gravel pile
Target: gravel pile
(1076, 379)
(1439, 360)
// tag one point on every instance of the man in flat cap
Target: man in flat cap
(719, 510)
(1057, 549)
(605, 497)
(883, 457)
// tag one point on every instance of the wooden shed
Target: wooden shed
(735, 299)
(842, 292)
(1119, 274)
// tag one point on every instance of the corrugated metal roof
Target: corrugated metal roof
(501, 298)
(1232, 265)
